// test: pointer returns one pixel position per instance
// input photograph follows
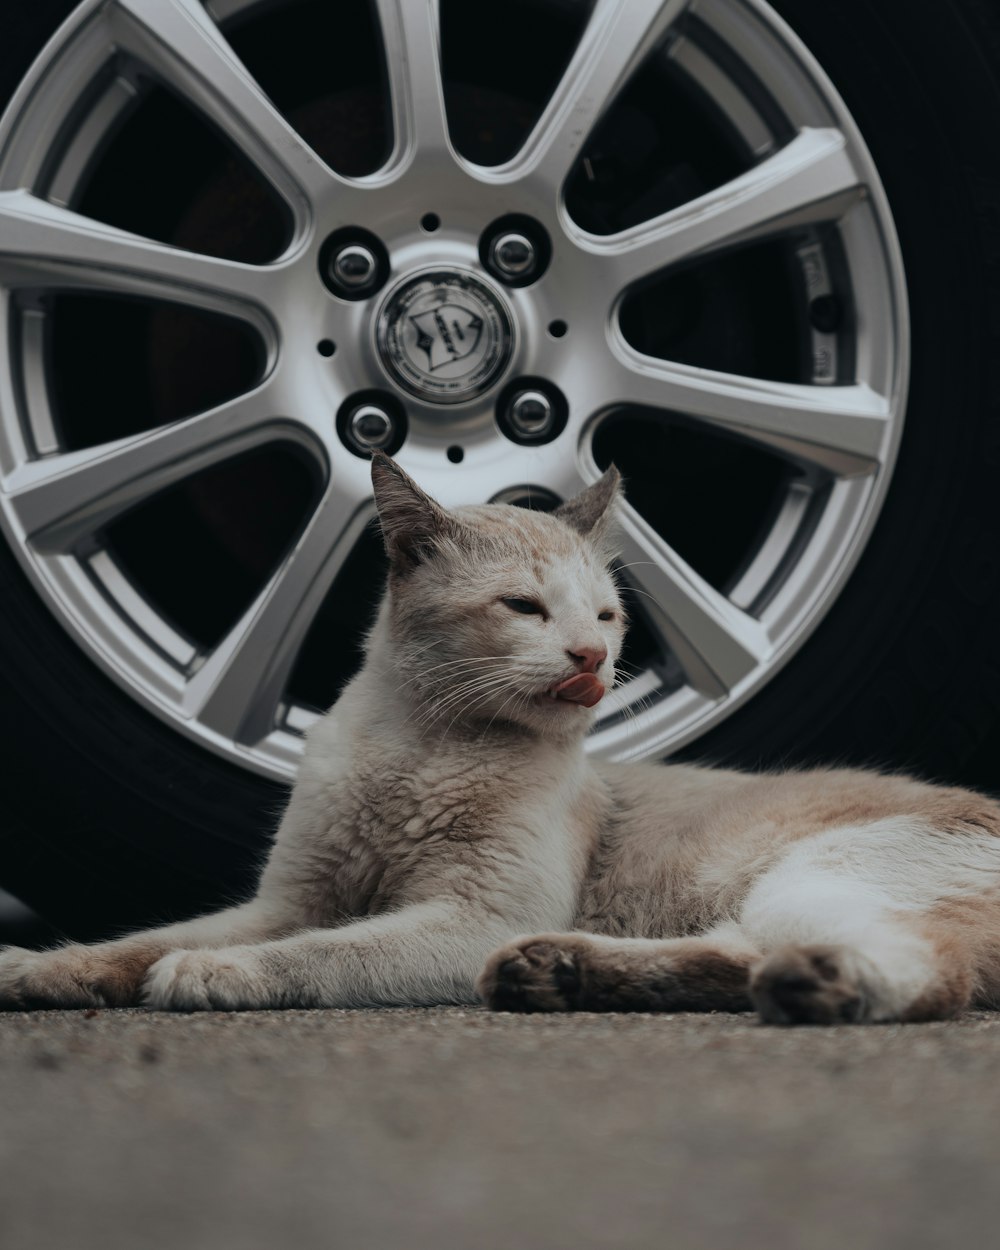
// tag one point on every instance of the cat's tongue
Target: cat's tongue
(585, 688)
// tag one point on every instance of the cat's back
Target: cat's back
(716, 804)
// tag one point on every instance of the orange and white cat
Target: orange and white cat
(445, 809)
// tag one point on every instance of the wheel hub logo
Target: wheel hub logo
(445, 336)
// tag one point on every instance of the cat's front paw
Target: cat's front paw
(535, 974)
(207, 980)
(811, 985)
(72, 976)
(20, 979)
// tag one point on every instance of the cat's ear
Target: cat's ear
(412, 522)
(592, 512)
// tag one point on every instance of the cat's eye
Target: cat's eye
(528, 607)
(605, 616)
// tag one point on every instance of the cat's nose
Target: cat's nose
(588, 659)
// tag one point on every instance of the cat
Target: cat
(445, 808)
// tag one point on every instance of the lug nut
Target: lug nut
(531, 413)
(370, 421)
(516, 249)
(354, 266)
(531, 410)
(353, 263)
(513, 254)
(371, 427)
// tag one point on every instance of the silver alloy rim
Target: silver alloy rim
(233, 698)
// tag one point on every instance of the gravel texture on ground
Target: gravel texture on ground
(465, 1129)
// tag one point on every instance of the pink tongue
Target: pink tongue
(584, 688)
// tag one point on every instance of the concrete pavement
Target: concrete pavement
(471, 1130)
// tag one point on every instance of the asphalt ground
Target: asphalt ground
(469, 1129)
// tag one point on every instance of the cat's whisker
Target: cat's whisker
(636, 590)
(519, 695)
(442, 685)
(438, 710)
(465, 710)
(459, 701)
(621, 663)
(480, 659)
(458, 670)
(460, 688)
(413, 654)
(630, 719)
(471, 680)
(439, 689)
(466, 690)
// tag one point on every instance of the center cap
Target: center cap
(444, 335)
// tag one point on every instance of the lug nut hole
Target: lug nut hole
(455, 454)
(326, 347)
(557, 329)
(430, 222)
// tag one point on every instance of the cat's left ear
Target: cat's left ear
(412, 522)
(592, 512)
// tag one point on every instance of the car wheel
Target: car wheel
(743, 251)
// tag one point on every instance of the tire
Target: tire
(111, 821)
(114, 820)
(902, 672)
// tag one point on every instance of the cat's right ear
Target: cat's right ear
(592, 512)
(412, 522)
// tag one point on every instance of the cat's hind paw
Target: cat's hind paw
(534, 974)
(206, 980)
(811, 985)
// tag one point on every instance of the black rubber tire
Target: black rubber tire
(903, 670)
(113, 820)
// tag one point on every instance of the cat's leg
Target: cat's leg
(590, 972)
(888, 977)
(111, 973)
(425, 953)
(840, 950)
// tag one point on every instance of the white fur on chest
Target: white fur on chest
(382, 820)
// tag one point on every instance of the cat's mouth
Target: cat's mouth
(584, 689)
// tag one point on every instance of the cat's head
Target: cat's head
(498, 614)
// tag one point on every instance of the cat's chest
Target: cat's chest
(388, 793)
(384, 836)
(374, 826)
(401, 806)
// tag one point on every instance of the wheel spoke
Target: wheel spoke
(811, 179)
(841, 429)
(43, 245)
(716, 644)
(238, 689)
(411, 43)
(179, 41)
(619, 35)
(60, 500)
